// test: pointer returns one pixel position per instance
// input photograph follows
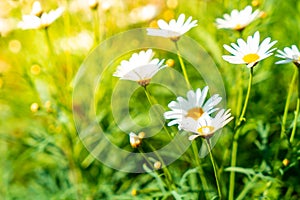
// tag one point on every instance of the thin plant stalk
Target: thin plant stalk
(182, 66)
(214, 167)
(153, 101)
(295, 122)
(200, 170)
(297, 110)
(96, 26)
(287, 104)
(50, 48)
(151, 165)
(236, 137)
(150, 99)
(164, 168)
(242, 116)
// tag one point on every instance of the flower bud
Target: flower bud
(135, 141)
(34, 107)
(157, 165)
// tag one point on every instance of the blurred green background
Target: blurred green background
(41, 154)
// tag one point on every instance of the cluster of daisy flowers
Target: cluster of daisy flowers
(194, 114)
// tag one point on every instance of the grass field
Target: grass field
(65, 119)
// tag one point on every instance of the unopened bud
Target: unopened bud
(157, 165)
(134, 192)
(34, 107)
(285, 162)
(135, 141)
(35, 69)
(170, 62)
(255, 3)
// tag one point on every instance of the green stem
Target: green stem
(239, 99)
(164, 168)
(214, 167)
(96, 26)
(182, 66)
(297, 110)
(150, 99)
(295, 122)
(236, 137)
(287, 104)
(201, 171)
(50, 48)
(151, 165)
(241, 118)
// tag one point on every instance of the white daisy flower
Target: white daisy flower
(140, 67)
(174, 29)
(193, 107)
(237, 20)
(206, 126)
(250, 52)
(43, 21)
(289, 55)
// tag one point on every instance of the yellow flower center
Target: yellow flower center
(205, 130)
(251, 57)
(195, 113)
(144, 83)
(238, 27)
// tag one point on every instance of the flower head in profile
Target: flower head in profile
(93, 4)
(193, 107)
(38, 19)
(174, 29)
(206, 126)
(289, 55)
(249, 52)
(141, 67)
(238, 20)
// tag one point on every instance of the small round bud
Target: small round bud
(170, 62)
(34, 107)
(255, 3)
(157, 165)
(48, 106)
(35, 69)
(285, 162)
(141, 135)
(134, 192)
